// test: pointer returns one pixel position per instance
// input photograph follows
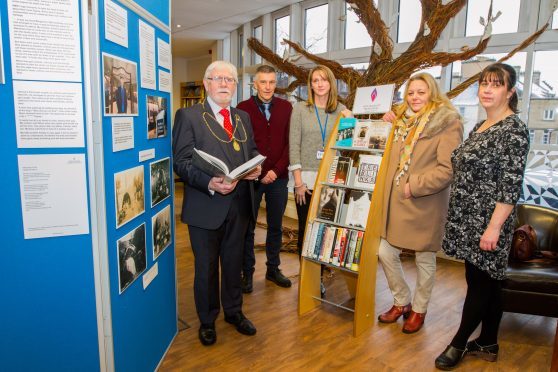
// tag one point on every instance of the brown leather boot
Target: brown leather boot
(414, 322)
(394, 313)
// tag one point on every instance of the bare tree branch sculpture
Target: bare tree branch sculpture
(383, 67)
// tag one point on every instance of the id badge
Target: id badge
(319, 154)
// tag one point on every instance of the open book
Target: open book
(216, 167)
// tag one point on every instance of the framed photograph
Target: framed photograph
(129, 194)
(160, 176)
(161, 231)
(156, 117)
(131, 256)
(120, 86)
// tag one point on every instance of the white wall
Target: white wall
(179, 70)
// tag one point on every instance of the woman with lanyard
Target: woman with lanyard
(311, 124)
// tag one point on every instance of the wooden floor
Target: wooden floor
(322, 339)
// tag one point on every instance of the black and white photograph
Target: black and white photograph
(161, 231)
(160, 181)
(156, 117)
(131, 256)
(129, 194)
(120, 85)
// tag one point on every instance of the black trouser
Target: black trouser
(222, 245)
(302, 214)
(483, 303)
(276, 195)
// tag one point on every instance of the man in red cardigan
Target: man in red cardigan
(270, 117)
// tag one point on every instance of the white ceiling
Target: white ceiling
(205, 21)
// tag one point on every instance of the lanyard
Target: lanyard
(323, 129)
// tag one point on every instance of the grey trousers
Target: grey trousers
(426, 271)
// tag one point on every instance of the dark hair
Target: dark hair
(503, 73)
(266, 69)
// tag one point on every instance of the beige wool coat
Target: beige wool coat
(418, 223)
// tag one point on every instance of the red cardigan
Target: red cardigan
(272, 138)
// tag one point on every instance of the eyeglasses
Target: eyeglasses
(220, 79)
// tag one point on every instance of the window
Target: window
(315, 29)
(544, 85)
(342, 88)
(281, 32)
(507, 22)
(240, 63)
(257, 33)
(555, 19)
(356, 35)
(282, 82)
(531, 136)
(468, 101)
(548, 115)
(546, 136)
(409, 20)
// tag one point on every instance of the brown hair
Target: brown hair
(266, 69)
(505, 74)
(332, 96)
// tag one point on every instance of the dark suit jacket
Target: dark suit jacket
(200, 208)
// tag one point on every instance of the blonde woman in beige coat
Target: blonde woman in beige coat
(427, 129)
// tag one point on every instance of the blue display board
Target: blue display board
(48, 285)
(47, 289)
(144, 321)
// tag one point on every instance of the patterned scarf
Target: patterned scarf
(409, 128)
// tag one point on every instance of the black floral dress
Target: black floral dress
(488, 168)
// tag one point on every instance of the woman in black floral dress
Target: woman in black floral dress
(488, 176)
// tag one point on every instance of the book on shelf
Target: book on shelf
(329, 241)
(313, 250)
(368, 166)
(339, 171)
(356, 259)
(345, 131)
(215, 167)
(361, 134)
(331, 199)
(338, 246)
(357, 209)
(378, 134)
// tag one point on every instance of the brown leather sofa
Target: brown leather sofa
(532, 287)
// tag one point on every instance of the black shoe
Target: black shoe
(277, 277)
(243, 325)
(450, 358)
(207, 334)
(247, 283)
(488, 353)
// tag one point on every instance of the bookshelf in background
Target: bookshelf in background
(343, 225)
(191, 92)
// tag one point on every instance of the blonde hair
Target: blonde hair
(332, 96)
(437, 97)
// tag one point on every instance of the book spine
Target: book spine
(352, 251)
(344, 248)
(330, 245)
(318, 244)
(326, 242)
(356, 259)
(308, 234)
(341, 242)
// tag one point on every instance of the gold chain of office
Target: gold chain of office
(235, 141)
